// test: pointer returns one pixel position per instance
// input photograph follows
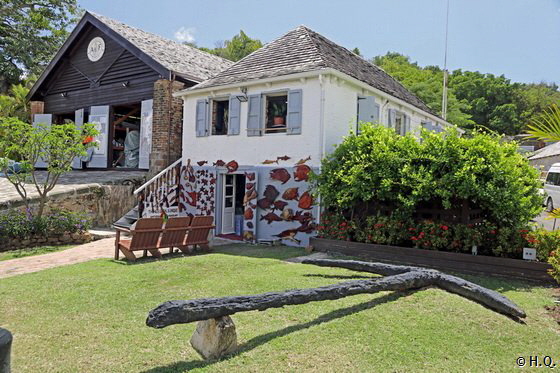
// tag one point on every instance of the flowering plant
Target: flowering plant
(335, 226)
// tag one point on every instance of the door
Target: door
(228, 201)
(45, 119)
(79, 121)
(145, 134)
(100, 116)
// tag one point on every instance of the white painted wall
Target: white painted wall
(252, 150)
(329, 111)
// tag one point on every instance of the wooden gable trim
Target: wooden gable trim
(127, 45)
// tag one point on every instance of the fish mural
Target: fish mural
(270, 217)
(264, 203)
(280, 174)
(201, 163)
(301, 173)
(291, 194)
(232, 166)
(305, 201)
(270, 161)
(250, 176)
(248, 214)
(249, 196)
(302, 161)
(283, 158)
(219, 163)
(279, 205)
(289, 234)
(271, 193)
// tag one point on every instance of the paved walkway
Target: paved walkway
(72, 181)
(93, 250)
(103, 248)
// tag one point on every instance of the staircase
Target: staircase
(158, 196)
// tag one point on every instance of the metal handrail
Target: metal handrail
(149, 182)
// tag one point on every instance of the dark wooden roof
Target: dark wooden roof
(163, 55)
(303, 50)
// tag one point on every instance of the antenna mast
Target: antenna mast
(444, 98)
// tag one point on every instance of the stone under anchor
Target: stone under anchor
(214, 338)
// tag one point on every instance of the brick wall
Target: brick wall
(36, 107)
(167, 125)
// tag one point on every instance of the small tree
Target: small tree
(57, 145)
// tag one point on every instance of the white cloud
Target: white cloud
(185, 34)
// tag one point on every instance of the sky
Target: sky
(517, 38)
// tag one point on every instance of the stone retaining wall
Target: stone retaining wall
(104, 204)
(51, 240)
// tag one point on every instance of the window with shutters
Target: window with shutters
(276, 108)
(400, 123)
(220, 116)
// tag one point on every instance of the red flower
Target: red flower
(444, 227)
(411, 229)
(492, 231)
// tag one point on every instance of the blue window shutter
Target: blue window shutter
(366, 109)
(376, 111)
(254, 121)
(234, 116)
(294, 111)
(406, 127)
(201, 118)
(391, 118)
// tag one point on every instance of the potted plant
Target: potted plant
(278, 113)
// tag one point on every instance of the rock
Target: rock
(76, 236)
(66, 237)
(214, 338)
(52, 239)
(25, 242)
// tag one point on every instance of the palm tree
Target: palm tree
(546, 127)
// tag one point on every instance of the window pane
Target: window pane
(229, 179)
(229, 202)
(229, 190)
(276, 109)
(220, 117)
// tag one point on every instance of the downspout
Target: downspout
(383, 109)
(322, 116)
(170, 114)
(322, 135)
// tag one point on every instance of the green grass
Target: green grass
(90, 317)
(20, 253)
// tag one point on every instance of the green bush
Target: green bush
(554, 260)
(545, 242)
(18, 224)
(380, 167)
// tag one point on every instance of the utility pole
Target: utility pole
(444, 98)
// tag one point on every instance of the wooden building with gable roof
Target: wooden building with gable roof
(122, 79)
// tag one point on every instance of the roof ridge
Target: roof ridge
(307, 32)
(101, 17)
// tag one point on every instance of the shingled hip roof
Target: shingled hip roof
(303, 50)
(183, 60)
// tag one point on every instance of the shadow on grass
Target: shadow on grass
(241, 249)
(253, 343)
(341, 277)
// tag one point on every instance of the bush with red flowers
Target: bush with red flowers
(335, 227)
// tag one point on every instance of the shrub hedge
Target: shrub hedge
(21, 225)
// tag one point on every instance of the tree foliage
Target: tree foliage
(474, 99)
(379, 165)
(30, 33)
(57, 145)
(235, 49)
(14, 104)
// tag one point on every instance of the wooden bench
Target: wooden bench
(149, 234)
(145, 236)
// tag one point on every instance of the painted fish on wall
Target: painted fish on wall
(301, 173)
(280, 174)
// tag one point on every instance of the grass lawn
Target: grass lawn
(30, 251)
(89, 317)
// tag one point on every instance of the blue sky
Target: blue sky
(518, 38)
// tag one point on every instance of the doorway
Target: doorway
(233, 191)
(124, 147)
